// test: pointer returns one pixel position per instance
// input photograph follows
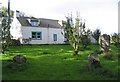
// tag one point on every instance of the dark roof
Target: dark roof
(23, 21)
(43, 22)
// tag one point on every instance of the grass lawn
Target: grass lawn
(56, 62)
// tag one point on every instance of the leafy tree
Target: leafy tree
(96, 34)
(75, 33)
(5, 29)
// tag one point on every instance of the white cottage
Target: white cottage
(39, 30)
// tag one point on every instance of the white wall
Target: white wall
(60, 37)
(47, 35)
(15, 29)
(27, 32)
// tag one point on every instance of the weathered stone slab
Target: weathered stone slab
(19, 59)
(105, 42)
(93, 60)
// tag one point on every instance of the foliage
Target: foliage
(5, 29)
(116, 39)
(26, 40)
(15, 42)
(76, 33)
(96, 34)
(86, 39)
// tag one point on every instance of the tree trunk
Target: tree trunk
(3, 51)
(75, 53)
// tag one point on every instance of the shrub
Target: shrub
(15, 42)
(26, 40)
(85, 41)
(116, 40)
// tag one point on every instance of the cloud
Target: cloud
(97, 13)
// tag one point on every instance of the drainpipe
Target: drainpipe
(48, 34)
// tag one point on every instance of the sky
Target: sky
(102, 14)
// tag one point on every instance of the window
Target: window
(55, 37)
(33, 35)
(37, 35)
(34, 22)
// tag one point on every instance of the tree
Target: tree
(116, 39)
(5, 29)
(85, 37)
(75, 33)
(96, 34)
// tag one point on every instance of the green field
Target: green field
(56, 62)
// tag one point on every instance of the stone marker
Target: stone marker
(19, 59)
(105, 42)
(93, 60)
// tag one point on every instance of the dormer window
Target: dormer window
(34, 22)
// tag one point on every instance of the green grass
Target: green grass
(56, 62)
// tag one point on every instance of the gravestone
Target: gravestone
(105, 42)
(19, 59)
(17, 64)
(93, 60)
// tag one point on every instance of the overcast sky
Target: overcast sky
(101, 14)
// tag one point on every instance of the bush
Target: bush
(116, 40)
(85, 41)
(15, 42)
